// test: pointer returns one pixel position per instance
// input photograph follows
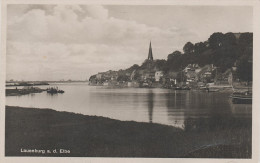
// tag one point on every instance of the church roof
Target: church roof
(150, 53)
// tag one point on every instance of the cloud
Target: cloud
(57, 42)
(66, 24)
(98, 12)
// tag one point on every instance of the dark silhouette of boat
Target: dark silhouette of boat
(241, 97)
(60, 91)
(53, 90)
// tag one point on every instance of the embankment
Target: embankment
(92, 136)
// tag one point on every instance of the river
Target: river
(153, 105)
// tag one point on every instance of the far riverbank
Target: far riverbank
(19, 92)
(92, 136)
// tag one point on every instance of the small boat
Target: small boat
(54, 90)
(182, 88)
(60, 91)
(241, 97)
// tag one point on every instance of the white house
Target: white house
(158, 75)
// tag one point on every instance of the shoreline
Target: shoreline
(20, 92)
(93, 136)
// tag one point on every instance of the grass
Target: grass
(92, 136)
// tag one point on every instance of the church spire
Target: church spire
(150, 54)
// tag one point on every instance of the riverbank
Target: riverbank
(92, 136)
(25, 84)
(19, 92)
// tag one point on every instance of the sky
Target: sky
(61, 42)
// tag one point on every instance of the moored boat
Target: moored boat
(54, 90)
(241, 97)
(182, 88)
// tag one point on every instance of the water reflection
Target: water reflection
(150, 101)
(215, 123)
(52, 94)
(240, 110)
(164, 106)
(175, 108)
(204, 110)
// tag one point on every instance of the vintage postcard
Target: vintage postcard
(143, 81)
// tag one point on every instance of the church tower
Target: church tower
(150, 53)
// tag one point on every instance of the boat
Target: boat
(60, 91)
(182, 88)
(54, 90)
(241, 97)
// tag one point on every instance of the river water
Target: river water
(155, 105)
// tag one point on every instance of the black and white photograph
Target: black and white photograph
(129, 81)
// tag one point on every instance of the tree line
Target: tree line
(222, 50)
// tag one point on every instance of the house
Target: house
(207, 74)
(198, 69)
(158, 75)
(191, 76)
(99, 76)
(234, 67)
(148, 75)
(192, 67)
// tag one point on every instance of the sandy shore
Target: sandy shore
(31, 131)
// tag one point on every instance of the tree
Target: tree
(123, 78)
(181, 77)
(132, 68)
(160, 64)
(199, 47)
(173, 54)
(137, 76)
(93, 77)
(216, 40)
(245, 68)
(147, 64)
(229, 39)
(245, 39)
(188, 48)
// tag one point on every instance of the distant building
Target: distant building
(191, 72)
(192, 67)
(234, 67)
(207, 74)
(230, 78)
(191, 76)
(148, 75)
(99, 76)
(158, 75)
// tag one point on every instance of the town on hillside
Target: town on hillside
(223, 61)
